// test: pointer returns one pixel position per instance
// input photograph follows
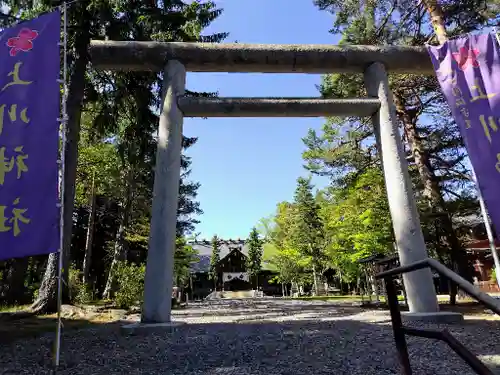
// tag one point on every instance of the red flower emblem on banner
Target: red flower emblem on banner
(465, 57)
(22, 42)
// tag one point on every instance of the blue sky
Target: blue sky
(247, 165)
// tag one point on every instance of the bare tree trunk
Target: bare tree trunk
(119, 255)
(90, 235)
(47, 295)
(458, 257)
(120, 250)
(340, 281)
(315, 281)
(368, 287)
(377, 289)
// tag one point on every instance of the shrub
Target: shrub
(78, 291)
(130, 280)
(493, 276)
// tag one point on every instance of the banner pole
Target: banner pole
(487, 225)
(63, 120)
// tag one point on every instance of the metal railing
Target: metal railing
(400, 331)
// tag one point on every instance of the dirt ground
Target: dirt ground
(18, 323)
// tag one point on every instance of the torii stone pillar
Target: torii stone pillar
(160, 264)
(405, 219)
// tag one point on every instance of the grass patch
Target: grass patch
(36, 326)
(9, 309)
(14, 327)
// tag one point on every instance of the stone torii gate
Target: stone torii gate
(177, 58)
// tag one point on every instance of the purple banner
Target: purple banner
(29, 137)
(468, 70)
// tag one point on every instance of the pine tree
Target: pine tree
(214, 260)
(125, 103)
(307, 235)
(435, 149)
(254, 260)
(185, 255)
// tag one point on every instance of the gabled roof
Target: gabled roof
(204, 249)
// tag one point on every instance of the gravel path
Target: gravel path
(256, 337)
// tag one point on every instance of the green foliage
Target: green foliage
(343, 225)
(255, 251)
(119, 119)
(215, 258)
(292, 266)
(79, 292)
(98, 162)
(493, 276)
(269, 251)
(137, 235)
(184, 256)
(357, 223)
(345, 150)
(306, 232)
(130, 278)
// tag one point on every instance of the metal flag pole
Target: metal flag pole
(487, 225)
(63, 120)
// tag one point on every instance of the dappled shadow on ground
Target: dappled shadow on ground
(260, 309)
(12, 330)
(341, 346)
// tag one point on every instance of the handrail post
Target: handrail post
(397, 326)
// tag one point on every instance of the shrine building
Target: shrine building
(231, 270)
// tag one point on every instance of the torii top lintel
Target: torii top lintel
(257, 58)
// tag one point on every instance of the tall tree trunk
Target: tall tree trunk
(437, 19)
(120, 250)
(90, 235)
(47, 295)
(458, 255)
(191, 286)
(315, 281)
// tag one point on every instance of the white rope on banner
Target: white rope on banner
(63, 120)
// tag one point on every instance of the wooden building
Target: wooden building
(479, 254)
(232, 272)
(478, 250)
